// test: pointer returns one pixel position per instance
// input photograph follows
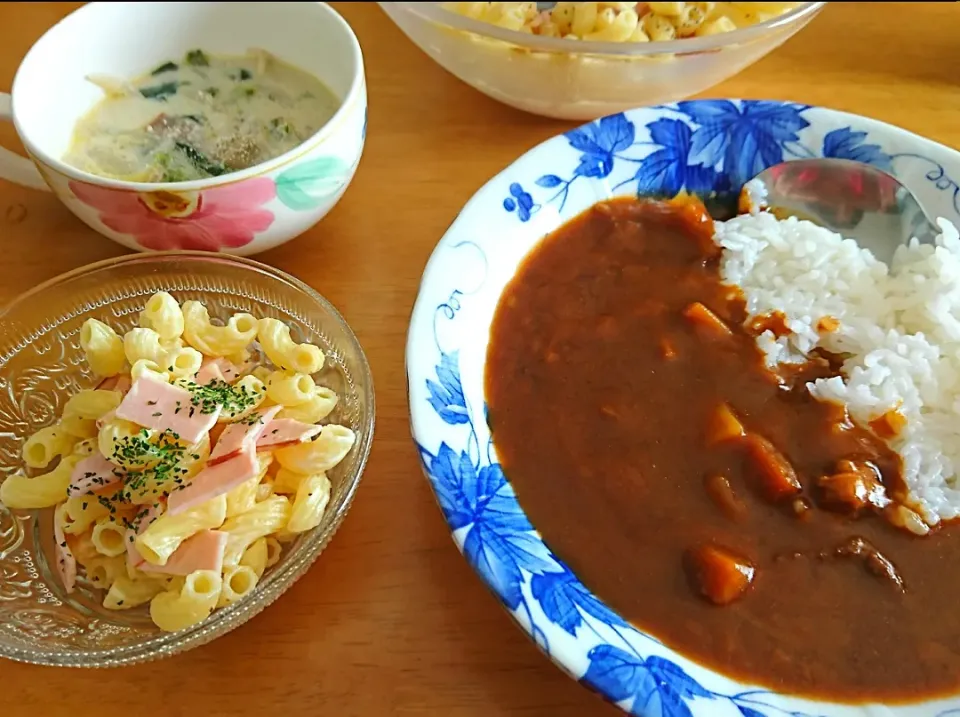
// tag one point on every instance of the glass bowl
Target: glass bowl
(578, 80)
(41, 365)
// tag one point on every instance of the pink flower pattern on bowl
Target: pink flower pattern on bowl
(222, 217)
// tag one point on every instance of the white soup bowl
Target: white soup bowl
(241, 213)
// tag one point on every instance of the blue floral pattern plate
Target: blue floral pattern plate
(707, 147)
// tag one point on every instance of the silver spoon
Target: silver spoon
(851, 198)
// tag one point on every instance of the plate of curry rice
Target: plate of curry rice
(707, 460)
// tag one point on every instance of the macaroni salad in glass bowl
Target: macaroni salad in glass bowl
(189, 431)
(585, 60)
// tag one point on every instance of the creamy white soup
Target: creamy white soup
(201, 117)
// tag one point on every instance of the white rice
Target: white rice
(901, 327)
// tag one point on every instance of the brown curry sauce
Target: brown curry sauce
(604, 387)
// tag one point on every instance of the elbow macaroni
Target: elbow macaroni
(290, 389)
(141, 344)
(283, 352)
(109, 537)
(179, 609)
(319, 455)
(116, 533)
(104, 572)
(262, 520)
(313, 494)
(20, 492)
(46, 444)
(150, 369)
(162, 313)
(315, 409)
(238, 582)
(91, 405)
(102, 347)
(126, 593)
(255, 557)
(81, 512)
(212, 340)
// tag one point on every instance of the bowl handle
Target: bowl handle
(13, 167)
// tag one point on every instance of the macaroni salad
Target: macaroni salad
(179, 478)
(622, 21)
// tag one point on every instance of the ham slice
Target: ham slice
(237, 436)
(286, 432)
(123, 384)
(135, 561)
(66, 563)
(119, 383)
(202, 551)
(165, 407)
(219, 369)
(93, 474)
(214, 481)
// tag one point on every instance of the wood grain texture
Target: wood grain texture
(391, 620)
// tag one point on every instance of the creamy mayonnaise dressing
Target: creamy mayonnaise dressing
(201, 117)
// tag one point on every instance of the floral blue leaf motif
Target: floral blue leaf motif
(561, 594)
(844, 143)
(509, 204)
(450, 475)
(709, 112)
(664, 702)
(749, 711)
(493, 497)
(598, 142)
(702, 181)
(616, 132)
(491, 557)
(710, 139)
(549, 181)
(550, 590)
(619, 674)
(756, 140)
(746, 140)
(661, 173)
(669, 673)
(446, 397)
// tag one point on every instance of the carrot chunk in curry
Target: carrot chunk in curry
(666, 464)
(774, 475)
(719, 574)
(723, 426)
(701, 317)
(889, 424)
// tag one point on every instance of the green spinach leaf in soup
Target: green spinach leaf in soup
(160, 92)
(166, 67)
(197, 58)
(199, 160)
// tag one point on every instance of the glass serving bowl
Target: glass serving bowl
(41, 365)
(579, 80)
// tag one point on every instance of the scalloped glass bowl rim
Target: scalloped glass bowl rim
(433, 12)
(222, 620)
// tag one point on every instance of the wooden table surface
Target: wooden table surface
(391, 620)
